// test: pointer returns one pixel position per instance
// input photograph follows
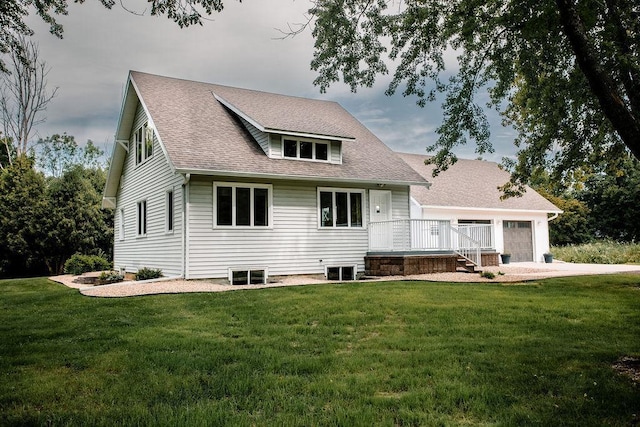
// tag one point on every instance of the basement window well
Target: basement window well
(248, 276)
(345, 272)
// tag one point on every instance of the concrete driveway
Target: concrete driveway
(578, 269)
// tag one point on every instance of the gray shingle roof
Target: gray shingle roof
(471, 184)
(200, 134)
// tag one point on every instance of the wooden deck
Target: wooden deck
(405, 264)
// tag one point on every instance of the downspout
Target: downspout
(554, 216)
(185, 226)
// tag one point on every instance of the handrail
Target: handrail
(430, 235)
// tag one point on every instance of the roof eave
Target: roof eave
(470, 208)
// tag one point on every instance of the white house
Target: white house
(209, 181)
(466, 197)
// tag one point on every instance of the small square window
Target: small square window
(240, 277)
(306, 150)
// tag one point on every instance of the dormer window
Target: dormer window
(305, 150)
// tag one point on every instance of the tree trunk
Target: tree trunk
(612, 102)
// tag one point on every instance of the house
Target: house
(466, 197)
(210, 181)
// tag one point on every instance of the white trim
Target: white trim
(333, 191)
(252, 187)
(468, 208)
(121, 225)
(271, 176)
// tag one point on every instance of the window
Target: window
(142, 218)
(121, 234)
(248, 275)
(169, 215)
(144, 143)
(340, 208)
(241, 205)
(306, 150)
(347, 272)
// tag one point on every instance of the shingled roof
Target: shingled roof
(199, 130)
(471, 184)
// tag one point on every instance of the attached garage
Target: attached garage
(518, 240)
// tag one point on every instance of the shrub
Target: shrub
(601, 252)
(487, 275)
(110, 277)
(148, 273)
(79, 264)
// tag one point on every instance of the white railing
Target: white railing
(407, 235)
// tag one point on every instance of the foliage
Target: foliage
(148, 273)
(13, 14)
(572, 225)
(395, 353)
(110, 277)
(58, 153)
(613, 199)
(488, 275)
(599, 252)
(23, 208)
(79, 263)
(564, 75)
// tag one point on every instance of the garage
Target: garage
(518, 240)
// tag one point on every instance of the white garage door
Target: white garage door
(518, 240)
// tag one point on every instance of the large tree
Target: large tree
(565, 74)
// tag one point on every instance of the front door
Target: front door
(380, 210)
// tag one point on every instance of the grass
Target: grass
(396, 353)
(600, 252)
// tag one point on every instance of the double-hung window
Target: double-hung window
(144, 143)
(340, 207)
(142, 218)
(305, 150)
(241, 205)
(121, 234)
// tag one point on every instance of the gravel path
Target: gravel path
(520, 272)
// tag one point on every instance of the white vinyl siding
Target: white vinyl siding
(293, 245)
(149, 181)
(262, 138)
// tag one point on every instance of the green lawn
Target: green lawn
(396, 353)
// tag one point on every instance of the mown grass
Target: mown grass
(397, 353)
(600, 252)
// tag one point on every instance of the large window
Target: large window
(241, 205)
(142, 218)
(340, 208)
(305, 150)
(144, 143)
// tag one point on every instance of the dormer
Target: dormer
(294, 135)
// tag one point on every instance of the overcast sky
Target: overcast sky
(239, 47)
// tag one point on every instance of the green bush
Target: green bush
(601, 252)
(488, 275)
(148, 273)
(79, 264)
(110, 277)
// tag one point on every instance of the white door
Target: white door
(380, 210)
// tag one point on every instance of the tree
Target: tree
(567, 72)
(23, 210)
(23, 95)
(613, 199)
(58, 153)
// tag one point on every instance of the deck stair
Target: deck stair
(465, 266)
